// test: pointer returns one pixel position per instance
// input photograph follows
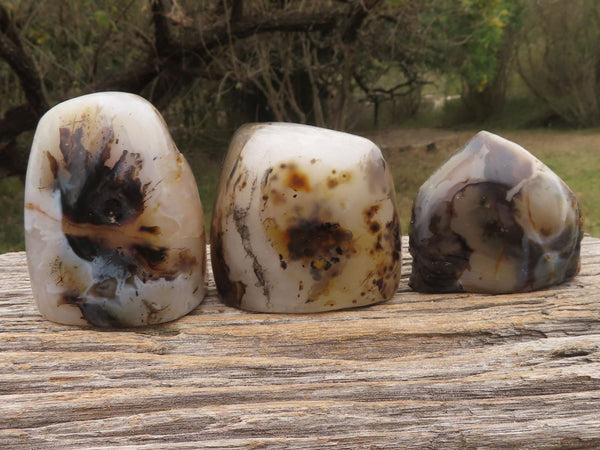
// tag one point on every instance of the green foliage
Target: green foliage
(101, 18)
(470, 43)
(488, 20)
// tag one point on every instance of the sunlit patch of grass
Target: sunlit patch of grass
(205, 157)
(206, 171)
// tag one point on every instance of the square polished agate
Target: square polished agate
(114, 225)
(305, 220)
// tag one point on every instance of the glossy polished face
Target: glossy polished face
(494, 219)
(113, 220)
(305, 220)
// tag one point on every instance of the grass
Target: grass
(207, 172)
(573, 155)
(11, 205)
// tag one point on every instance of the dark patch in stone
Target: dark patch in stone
(153, 256)
(233, 169)
(370, 212)
(389, 262)
(94, 313)
(535, 254)
(297, 180)
(85, 247)
(320, 244)
(185, 262)
(230, 291)
(147, 229)
(266, 176)
(374, 227)
(92, 192)
(97, 200)
(495, 217)
(394, 236)
(309, 238)
(438, 261)
(105, 288)
(53, 165)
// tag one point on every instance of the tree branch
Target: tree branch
(134, 80)
(11, 50)
(360, 11)
(163, 42)
(289, 21)
(23, 117)
(13, 158)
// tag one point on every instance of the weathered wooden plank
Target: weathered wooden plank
(438, 371)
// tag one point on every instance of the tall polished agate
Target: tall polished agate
(305, 220)
(494, 219)
(113, 221)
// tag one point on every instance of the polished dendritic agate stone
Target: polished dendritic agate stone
(305, 220)
(113, 221)
(493, 219)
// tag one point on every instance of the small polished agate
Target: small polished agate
(305, 220)
(114, 225)
(494, 219)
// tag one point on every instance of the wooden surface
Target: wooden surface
(428, 371)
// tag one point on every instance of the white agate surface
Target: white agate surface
(114, 226)
(494, 219)
(305, 220)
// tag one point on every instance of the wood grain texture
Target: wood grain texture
(428, 371)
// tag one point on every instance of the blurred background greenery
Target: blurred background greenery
(417, 77)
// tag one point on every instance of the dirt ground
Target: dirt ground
(408, 139)
(538, 142)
